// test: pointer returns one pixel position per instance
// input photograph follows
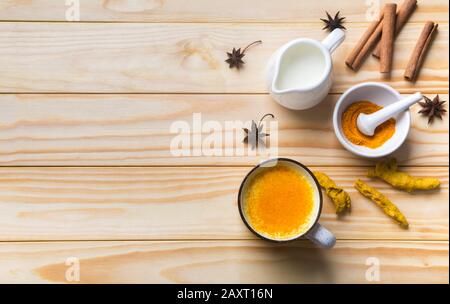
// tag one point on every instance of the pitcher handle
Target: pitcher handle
(321, 236)
(334, 39)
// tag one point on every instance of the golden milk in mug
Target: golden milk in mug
(280, 200)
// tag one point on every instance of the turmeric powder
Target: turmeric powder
(383, 202)
(349, 125)
(387, 171)
(340, 198)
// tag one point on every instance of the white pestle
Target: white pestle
(367, 123)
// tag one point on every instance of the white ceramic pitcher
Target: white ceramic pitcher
(299, 74)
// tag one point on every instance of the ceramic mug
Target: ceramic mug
(299, 74)
(314, 231)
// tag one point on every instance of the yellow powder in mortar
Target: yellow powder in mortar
(349, 125)
(279, 202)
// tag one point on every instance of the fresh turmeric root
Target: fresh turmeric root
(340, 198)
(387, 171)
(383, 202)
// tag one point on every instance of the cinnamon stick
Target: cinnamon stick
(365, 44)
(403, 14)
(387, 37)
(418, 55)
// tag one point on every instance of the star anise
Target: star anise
(333, 23)
(432, 108)
(255, 136)
(235, 57)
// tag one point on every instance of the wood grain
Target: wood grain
(224, 262)
(123, 130)
(188, 203)
(208, 10)
(180, 223)
(183, 58)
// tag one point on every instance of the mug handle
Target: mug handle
(320, 236)
(334, 39)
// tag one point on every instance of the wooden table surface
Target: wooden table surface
(85, 165)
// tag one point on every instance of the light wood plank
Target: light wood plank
(187, 203)
(208, 10)
(122, 130)
(224, 262)
(169, 58)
